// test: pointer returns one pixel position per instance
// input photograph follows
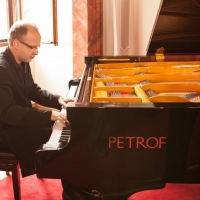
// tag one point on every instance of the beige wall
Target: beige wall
(53, 67)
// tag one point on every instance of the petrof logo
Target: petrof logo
(136, 142)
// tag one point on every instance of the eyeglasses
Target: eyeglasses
(33, 48)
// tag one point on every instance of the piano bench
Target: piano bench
(9, 163)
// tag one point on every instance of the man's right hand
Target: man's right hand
(56, 115)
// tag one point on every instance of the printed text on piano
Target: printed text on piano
(136, 142)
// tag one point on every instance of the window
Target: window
(43, 13)
(3, 21)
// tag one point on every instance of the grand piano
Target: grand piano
(135, 121)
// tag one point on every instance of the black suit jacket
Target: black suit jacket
(17, 90)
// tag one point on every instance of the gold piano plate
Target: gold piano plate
(136, 82)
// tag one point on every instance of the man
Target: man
(24, 128)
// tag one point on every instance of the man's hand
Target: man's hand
(63, 101)
(56, 115)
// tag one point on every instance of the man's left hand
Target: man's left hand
(63, 101)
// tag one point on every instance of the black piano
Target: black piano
(135, 121)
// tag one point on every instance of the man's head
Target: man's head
(24, 40)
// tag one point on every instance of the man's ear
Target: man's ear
(16, 44)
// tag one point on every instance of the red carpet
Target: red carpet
(33, 188)
(170, 192)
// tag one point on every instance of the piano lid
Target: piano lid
(177, 28)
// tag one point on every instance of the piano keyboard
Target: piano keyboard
(61, 135)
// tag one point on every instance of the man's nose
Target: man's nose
(35, 51)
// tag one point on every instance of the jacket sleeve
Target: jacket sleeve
(13, 113)
(36, 94)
